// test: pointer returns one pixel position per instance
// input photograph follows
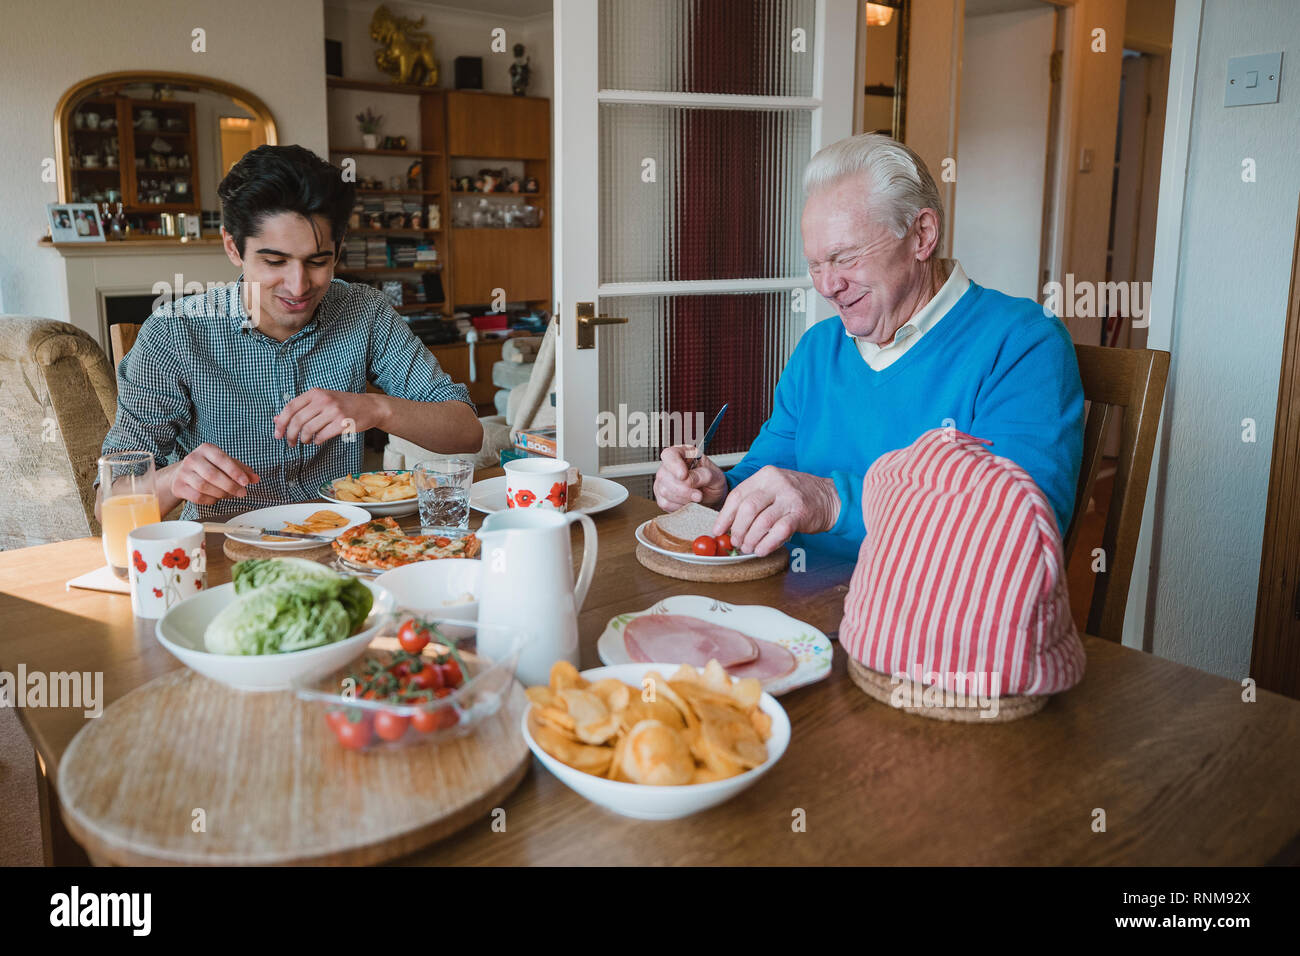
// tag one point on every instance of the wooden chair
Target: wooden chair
(1130, 382)
(122, 336)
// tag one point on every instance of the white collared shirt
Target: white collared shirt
(880, 357)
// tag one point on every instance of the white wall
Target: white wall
(1002, 136)
(1226, 338)
(55, 44)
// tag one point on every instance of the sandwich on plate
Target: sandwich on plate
(680, 530)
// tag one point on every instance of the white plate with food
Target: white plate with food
(390, 492)
(749, 640)
(593, 495)
(675, 534)
(699, 741)
(279, 621)
(329, 522)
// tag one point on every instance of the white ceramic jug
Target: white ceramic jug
(527, 585)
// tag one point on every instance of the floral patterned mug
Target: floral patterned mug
(168, 563)
(537, 483)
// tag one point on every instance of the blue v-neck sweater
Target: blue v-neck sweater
(995, 367)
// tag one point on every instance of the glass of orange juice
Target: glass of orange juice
(128, 499)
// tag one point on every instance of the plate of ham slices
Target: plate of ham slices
(748, 640)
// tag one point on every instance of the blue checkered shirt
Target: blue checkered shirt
(199, 372)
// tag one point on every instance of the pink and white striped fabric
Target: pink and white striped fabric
(961, 573)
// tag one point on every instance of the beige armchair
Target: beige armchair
(58, 397)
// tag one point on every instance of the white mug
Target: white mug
(167, 563)
(537, 483)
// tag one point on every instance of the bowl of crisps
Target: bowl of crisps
(654, 741)
(390, 492)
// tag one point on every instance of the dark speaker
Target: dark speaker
(333, 58)
(469, 73)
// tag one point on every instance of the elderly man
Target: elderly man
(917, 346)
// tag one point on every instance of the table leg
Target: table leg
(57, 844)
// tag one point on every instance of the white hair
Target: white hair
(897, 181)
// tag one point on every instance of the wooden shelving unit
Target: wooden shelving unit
(488, 127)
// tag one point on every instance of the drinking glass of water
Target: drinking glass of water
(443, 488)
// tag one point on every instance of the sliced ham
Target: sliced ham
(773, 661)
(677, 639)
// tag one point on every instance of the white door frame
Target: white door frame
(1164, 294)
(577, 196)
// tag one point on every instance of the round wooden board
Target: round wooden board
(764, 567)
(242, 551)
(274, 785)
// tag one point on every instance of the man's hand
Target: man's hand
(207, 474)
(318, 414)
(771, 505)
(676, 486)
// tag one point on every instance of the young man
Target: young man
(258, 390)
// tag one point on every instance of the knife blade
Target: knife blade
(247, 529)
(708, 436)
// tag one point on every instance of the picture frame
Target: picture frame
(74, 222)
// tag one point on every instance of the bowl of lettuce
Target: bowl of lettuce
(279, 621)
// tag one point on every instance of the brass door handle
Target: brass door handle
(587, 322)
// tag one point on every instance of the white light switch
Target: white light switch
(1253, 79)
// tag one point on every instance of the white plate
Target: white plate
(598, 494)
(689, 558)
(661, 803)
(810, 647)
(181, 631)
(275, 518)
(407, 506)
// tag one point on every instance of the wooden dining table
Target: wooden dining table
(1144, 762)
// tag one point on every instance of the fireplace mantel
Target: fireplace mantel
(94, 271)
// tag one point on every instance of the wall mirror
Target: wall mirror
(157, 144)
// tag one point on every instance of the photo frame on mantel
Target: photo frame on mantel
(74, 222)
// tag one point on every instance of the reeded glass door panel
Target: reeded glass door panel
(689, 194)
(741, 47)
(679, 358)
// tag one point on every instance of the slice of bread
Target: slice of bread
(677, 531)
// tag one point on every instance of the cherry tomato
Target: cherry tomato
(355, 734)
(443, 692)
(705, 546)
(336, 717)
(428, 677)
(390, 726)
(412, 638)
(447, 717)
(425, 721)
(451, 675)
(724, 543)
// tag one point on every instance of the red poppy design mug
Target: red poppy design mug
(537, 483)
(167, 564)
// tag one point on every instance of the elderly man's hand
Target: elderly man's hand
(676, 486)
(764, 510)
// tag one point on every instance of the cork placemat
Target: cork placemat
(882, 687)
(764, 567)
(243, 551)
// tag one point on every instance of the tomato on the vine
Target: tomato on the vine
(425, 721)
(412, 637)
(390, 726)
(355, 734)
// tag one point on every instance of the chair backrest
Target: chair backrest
(122, 336)
(1130, 383)
(58, 398)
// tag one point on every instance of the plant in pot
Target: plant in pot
(370, 124)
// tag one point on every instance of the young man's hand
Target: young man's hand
(318, 414)
(207, 475)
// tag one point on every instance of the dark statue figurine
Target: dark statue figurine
(520, 72)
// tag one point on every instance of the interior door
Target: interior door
(681, 133)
